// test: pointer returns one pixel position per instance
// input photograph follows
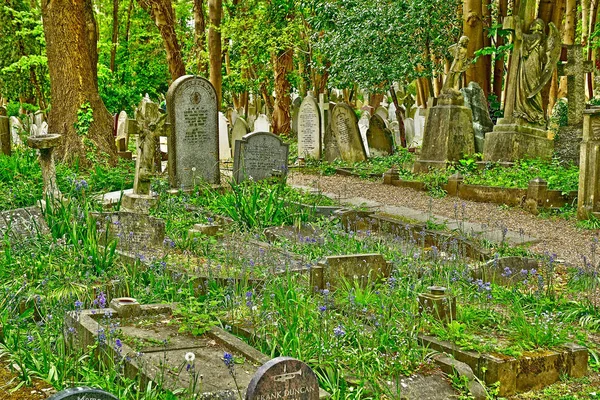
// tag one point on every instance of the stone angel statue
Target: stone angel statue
(150, 123)
(460, 64)
(537, 60)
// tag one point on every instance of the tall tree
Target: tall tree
(473, 25)
(115, 35)
(163, 15)
(215, 10)
(71, 36)
(200, 36)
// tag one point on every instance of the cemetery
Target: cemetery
(299, 200)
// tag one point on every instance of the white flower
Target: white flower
(190, 357)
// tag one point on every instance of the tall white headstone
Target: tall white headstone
(363, 126)
(309, 129)
(262, 124)
(224, 148)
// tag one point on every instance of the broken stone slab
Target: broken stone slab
(23, 223)
(132, 230)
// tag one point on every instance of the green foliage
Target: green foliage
(85, 117)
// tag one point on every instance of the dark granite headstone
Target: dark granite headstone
(82, 393)
(283, 378)
(194, 140)
(260, 155)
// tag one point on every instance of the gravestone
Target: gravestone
(482, 123)
(123, 136)
(409, 129)
(392, 112)
(262, 124)
(260, 155)
(224, 148)
(194, 142)
(284, 378)
(344, 129)
(395, 129)
(5, 135)
(233, 116)
(16, 127)
(379, 137)
(134, 231)
(296, 103)
(325, 110)
(420, 117)
(309, 129)
(334, 270)
(382, 112)
(82, 393)
(568, 139)
(239, 130)
(363, 127)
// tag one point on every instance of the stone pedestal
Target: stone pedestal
(46, 144)
(589, 166)
(511, 142)
(438, 303)
(448, 135)
(138, 203)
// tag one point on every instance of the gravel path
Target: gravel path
(557, 236)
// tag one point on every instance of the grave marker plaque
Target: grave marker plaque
(259, 155)
(82, 393)
(283, 378)
(309, 129)
(194, 140)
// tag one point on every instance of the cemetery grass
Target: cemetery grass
(354, 337)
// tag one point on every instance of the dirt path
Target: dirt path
(557, 235)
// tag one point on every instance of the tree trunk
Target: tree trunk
(558, 12)
(71, 37)
(499, 63)
(473, 28)
(215, 9)
(115, 35)
(129, 11)
(200, 36)
(283, 64)
(163, 15)
(568, 38)
(592, 26)
(546, 9)
(585, 21)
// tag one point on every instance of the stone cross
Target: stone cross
(526, 15)
(575, 70)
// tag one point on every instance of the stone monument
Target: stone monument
(260, 155)
(122, 139)
(588, 197)
(224, 148)
(345, 134)
(296, 103)
(363, 127)
(239, 130)
(309, 129)
(379, 137)
(482, 123)
(567, 142)
(522, 132)
(262, 124)
(448, 134)
(284, 378)
(194, 140)
(150, 122)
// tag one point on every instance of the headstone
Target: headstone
(381, 142)
(234, 116)
(325, 110)
(262, 124)
(419, 126)
(16, 127)
(309, 129)
(193, 143)
(382, 112)
(395, 129)
(568, 139)
(409, 130)
(224, 148)
(344, 128)
(363, 127)
(260, 155)
(335, 270)
(392, 112)
(482, 123)
(295, 109)
(123, 136)
(589, 166)
(5, 135)
(239, 130)
(38, 118)
(82, 393)
(284, 378)
(134, 231)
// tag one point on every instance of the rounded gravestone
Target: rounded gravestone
(309, 129)
(344, 128)
(82, 393)
(284, 378)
